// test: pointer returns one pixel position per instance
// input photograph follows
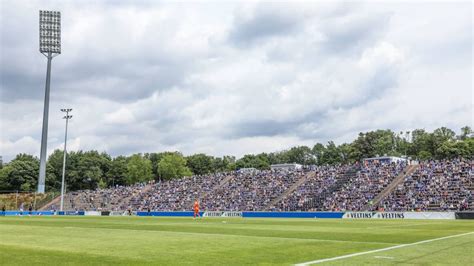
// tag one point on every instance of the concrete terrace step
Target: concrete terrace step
(290, 190)
(394, 184)
(47, 205)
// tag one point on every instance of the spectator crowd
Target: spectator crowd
(434, 185)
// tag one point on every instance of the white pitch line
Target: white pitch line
(379, 250)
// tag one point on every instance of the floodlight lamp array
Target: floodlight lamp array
(50, 31)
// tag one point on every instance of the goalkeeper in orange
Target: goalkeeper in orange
(196, 209)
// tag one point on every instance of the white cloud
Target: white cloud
(121, 116)
(233, 78)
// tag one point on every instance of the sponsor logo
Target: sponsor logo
(391, 215)
(374, 215)
(360, 215)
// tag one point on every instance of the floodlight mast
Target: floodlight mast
(67, 117)
(50, 46)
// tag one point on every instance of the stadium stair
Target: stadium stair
(130, 199)
(222, 183)
(289, 190)
(48, 205)
(398, 180)
(319, 200)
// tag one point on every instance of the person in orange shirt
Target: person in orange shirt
(196, 209)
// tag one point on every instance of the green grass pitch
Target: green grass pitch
(232, 241)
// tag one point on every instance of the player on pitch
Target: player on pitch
(196, 209)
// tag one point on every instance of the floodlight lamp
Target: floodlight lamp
(50, 31)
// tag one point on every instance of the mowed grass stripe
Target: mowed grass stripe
(166, 247)
(450, 251)
(14, 255)
(171, 241)
(381, 250)
(213, 234)
(331, 230)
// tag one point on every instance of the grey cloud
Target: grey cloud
(348, 33)
(119, 80)
(307, 62)
(378, 84)
(263, 127)
(264, 23)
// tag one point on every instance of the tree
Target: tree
(139, 169)
(374, 143)
(259, 161)
(454, 149)
(422, 144)
(91, 169)
(466, 132)
(318, 151)
(440, 136)
(301, 154)
(173, 166)
(20, 174)
(54, 170)
(155, 159)
(347, 153)
(200, 164)
(332, 155)
(424, 155)
(87, 169)
(229, 161)
(117, 174)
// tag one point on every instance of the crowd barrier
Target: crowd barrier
(399, 215)
(70, 212)
(17, 213)
(464, 215)
(245, 214)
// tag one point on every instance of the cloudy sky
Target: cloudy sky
(233, 77)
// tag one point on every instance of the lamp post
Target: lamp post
(50, 46)
(67, 117)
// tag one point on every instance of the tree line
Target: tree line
(93, 169)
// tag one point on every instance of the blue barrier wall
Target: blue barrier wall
(175, 214)
(13, 213)
(334, 215)
(70, 213)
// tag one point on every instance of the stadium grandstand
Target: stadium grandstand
(390, 186)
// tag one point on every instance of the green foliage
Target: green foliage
(21, 174)
(173, 166)
(117, 174)
(302, 155)
(260, 161)
(466, 132)
(102, 184)
(91, 169)
(139, 169)
(424, 155)
(86, 169)
(200, 164)
(54, 169)
(374, 143)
